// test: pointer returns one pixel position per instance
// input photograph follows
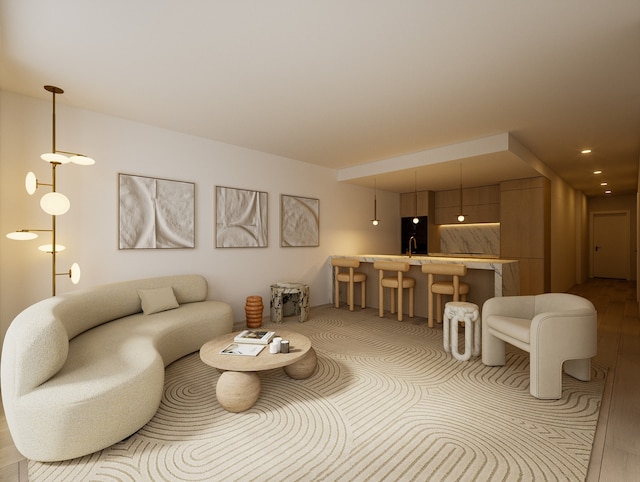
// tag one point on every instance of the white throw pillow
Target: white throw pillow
(156, 300)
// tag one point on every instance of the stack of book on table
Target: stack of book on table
(249, 343)
(259, 337)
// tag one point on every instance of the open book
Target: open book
(242, 349)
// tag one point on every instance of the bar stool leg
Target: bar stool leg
(350, 295)
(446, 340)
(336, 289)
(380, 297)
(411, 301)
(393, 300)
(430, 300)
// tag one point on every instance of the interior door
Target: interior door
(610, 244)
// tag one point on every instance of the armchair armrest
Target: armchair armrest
(571, 333)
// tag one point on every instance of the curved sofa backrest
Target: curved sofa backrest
(35, 348)
(37, 342)
(82, 310)
(561, 302)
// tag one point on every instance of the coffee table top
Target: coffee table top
(299, 346)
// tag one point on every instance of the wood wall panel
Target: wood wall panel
(525, 231)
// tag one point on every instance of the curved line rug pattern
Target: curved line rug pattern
(385, 403)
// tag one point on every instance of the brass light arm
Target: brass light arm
(25, 234)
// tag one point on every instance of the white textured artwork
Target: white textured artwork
(156, 213)
(299, 221)
(241, 218)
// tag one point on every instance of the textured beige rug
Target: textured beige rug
(386, 403)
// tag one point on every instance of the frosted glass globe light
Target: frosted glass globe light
(74, 273)
(46, 248)
(30, 183)
(55, 157)
(461, 217)
(55, 203)
(82, 160)
(22, 235)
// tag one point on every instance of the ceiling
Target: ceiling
(354, 84)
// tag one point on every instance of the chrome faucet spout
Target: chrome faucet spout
(415, 246)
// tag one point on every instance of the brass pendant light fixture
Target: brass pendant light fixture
(461, 216)
(53, 203)
(375, 221)
(415, 192)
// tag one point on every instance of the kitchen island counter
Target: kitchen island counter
(487, 277)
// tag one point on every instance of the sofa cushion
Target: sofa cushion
(516, 328)
(157, 300)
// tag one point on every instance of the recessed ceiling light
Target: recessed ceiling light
(608, 191)
(586, 151)
(597, 172)
(604, 183)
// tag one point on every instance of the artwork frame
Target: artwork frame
(299, 221)
(155, 213)
(241, 219)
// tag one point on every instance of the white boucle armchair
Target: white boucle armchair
(557, 329)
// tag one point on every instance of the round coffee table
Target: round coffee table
(238, 387)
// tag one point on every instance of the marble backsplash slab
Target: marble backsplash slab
(470, 239)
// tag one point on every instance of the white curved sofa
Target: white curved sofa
(84, 370)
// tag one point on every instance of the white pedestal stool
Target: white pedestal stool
(454, 313)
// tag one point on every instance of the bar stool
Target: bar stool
(398, 282)
(351, 277)
(453, 288)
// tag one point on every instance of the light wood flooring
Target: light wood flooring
(616, 451)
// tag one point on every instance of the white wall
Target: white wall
(582, 236)
(89, 230)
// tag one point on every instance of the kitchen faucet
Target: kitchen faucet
(412, 238)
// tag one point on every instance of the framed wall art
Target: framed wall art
(155, 213)
(241, 218)
(299, 221)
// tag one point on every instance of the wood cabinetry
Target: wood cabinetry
(523, 209)
(479, 205)
(408, 204)
(525, 212)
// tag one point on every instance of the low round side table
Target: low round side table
(282, 290)
(238, 387)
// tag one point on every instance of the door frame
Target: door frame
(627, 214)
